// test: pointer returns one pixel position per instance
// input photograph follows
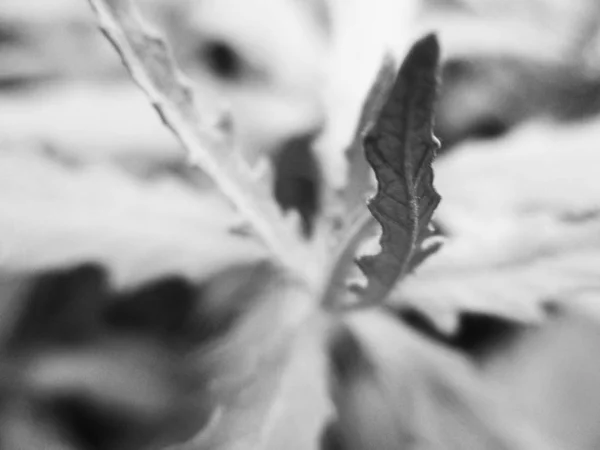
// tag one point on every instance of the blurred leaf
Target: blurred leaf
(551, 375)
(267, 373)
(67, 117)
(522, 227)
(512, 275)
(263, 375)
(360, 175)
(497, 93)
(548, 31)
(394, 389)
(540, 168)
(50, 42)
(400, 147)
(508, 61)
(361, 35)
(210, 145)
(60, 215)
(23, 429)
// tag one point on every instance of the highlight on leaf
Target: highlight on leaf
(400, 147)
(209, 145)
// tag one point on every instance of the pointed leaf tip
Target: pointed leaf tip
(425, 52)
(400, 148)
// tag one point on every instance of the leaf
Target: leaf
(539, 158)
(264, 377)
(23, 430)
(276, 91)
(56, 214)
(512, 247)
(269, 388)
(68, 118)
(394, 389)
(267, 375)
(76, 349)
(400, 147)
(552, 374)
(348, 208)
(210, 146)
(361, 35)
(512, 275)
(546, 31)
(360, 176)
(50, 42)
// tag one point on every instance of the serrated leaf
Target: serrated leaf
(400, 147)
(210, 145)
(53, 214)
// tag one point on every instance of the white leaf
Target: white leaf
(53, 214)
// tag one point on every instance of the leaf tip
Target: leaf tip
(426, 51)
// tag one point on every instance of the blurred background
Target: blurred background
(99, 210)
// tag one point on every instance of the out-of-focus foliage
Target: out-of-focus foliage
(122, 293)
(139, 229)
(511, 61)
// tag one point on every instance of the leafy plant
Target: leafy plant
(306, 343)
(264, 385)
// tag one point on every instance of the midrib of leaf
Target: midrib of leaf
(410, 185)
(408, 181)
(208, 147)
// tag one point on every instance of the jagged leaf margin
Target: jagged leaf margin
(210, 146)
(400, 147)
(360, 176)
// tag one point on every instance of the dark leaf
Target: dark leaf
(400, 147)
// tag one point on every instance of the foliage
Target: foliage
(210, 319)
(400, 149)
